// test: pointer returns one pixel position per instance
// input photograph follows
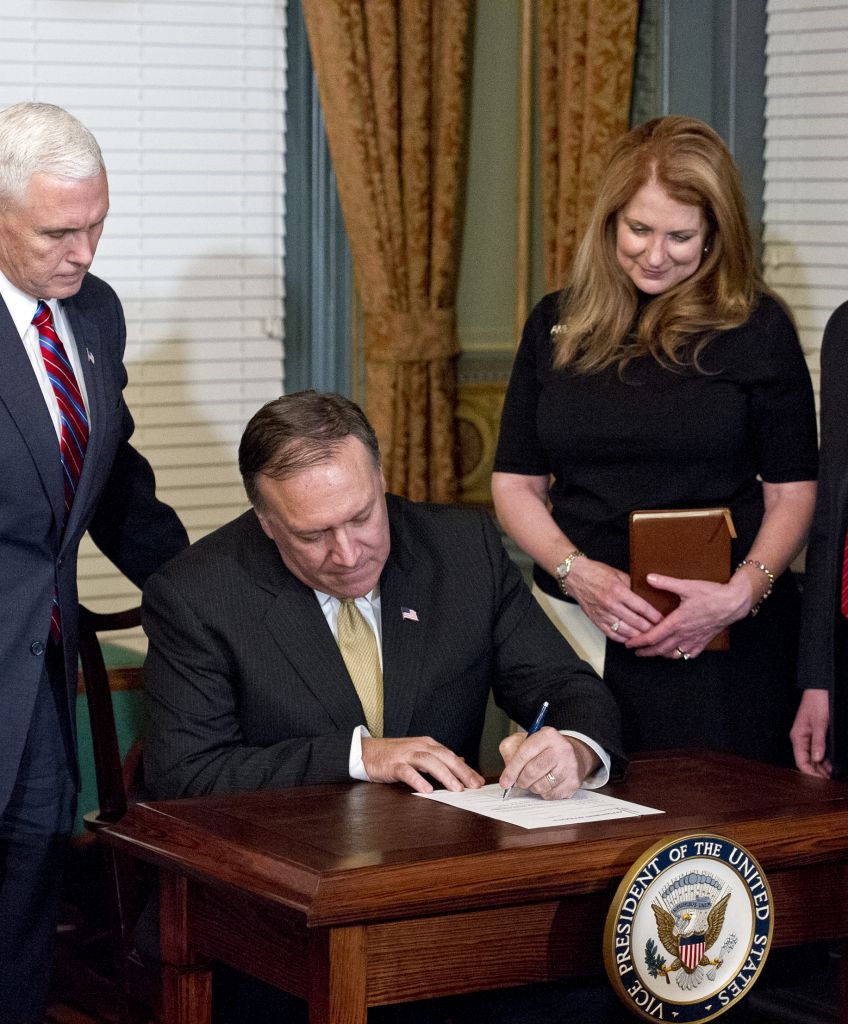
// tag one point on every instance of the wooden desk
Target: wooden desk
(357, 895)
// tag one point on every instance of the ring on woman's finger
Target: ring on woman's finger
(551, 778)
(683, 654)
(614, 625)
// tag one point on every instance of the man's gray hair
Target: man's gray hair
(42, 138)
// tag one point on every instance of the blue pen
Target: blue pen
(538, 722)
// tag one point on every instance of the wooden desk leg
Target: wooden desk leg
(338, 977)
(186, 984)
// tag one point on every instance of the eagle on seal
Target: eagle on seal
(689, 928)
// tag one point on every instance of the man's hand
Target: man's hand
(402, 760)
(531, 762)
(809, 734)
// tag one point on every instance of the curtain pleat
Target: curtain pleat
(393, 80)
(586, 50)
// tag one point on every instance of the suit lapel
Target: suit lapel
(406, 583)
(297, 624)
(22, 396)
(300, 630)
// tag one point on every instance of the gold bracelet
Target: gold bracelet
(564, 568)
(769, 574)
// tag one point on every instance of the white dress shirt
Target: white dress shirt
(22, 309)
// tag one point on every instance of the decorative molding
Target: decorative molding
(478, 418)
(490, 365)
(481, 340)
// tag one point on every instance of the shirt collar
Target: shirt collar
(21, 306)
(323, 598)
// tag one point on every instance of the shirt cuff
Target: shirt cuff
(600, 777)
(356, 766)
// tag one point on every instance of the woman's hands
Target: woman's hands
(605, 596)
(704, 610)
(604, 593)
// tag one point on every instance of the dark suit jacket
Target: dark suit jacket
(247, 689)
(115, 499)
(822, 656)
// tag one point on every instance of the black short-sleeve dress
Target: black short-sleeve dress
(654, 437)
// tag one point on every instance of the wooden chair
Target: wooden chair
(114, 777)
(116, 783)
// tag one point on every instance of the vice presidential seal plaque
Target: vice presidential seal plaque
(689, 929)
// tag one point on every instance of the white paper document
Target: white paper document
(530, 811)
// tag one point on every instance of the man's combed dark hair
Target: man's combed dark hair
(297, 431)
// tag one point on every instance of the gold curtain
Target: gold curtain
(586, 50)
(393, 81)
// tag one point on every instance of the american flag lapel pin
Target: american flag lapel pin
(409, 613)
(90, 355)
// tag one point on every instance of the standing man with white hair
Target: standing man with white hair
(66, 466)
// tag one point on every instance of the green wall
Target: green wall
(487, 267)
(486, 289)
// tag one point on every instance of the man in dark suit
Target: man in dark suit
(819, 737)
(252, 672)
(66, 466)
(248, 687)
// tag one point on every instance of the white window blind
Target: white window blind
(187, 102)
(806, 189)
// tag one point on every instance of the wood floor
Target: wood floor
(83, 987)
(59, 1013)
(84, 997)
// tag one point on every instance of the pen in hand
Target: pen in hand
(538, 722)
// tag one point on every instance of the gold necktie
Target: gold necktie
(359, 651)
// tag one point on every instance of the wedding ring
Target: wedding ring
(683, 654)
(551, 778)
(614, 626)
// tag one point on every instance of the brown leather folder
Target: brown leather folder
(691, 544)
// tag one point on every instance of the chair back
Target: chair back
(134, 988)
(108, 768)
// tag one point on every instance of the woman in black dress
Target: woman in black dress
(665, 376)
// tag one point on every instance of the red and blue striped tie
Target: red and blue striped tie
(74, 419)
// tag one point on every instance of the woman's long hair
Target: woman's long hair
(598, 305)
